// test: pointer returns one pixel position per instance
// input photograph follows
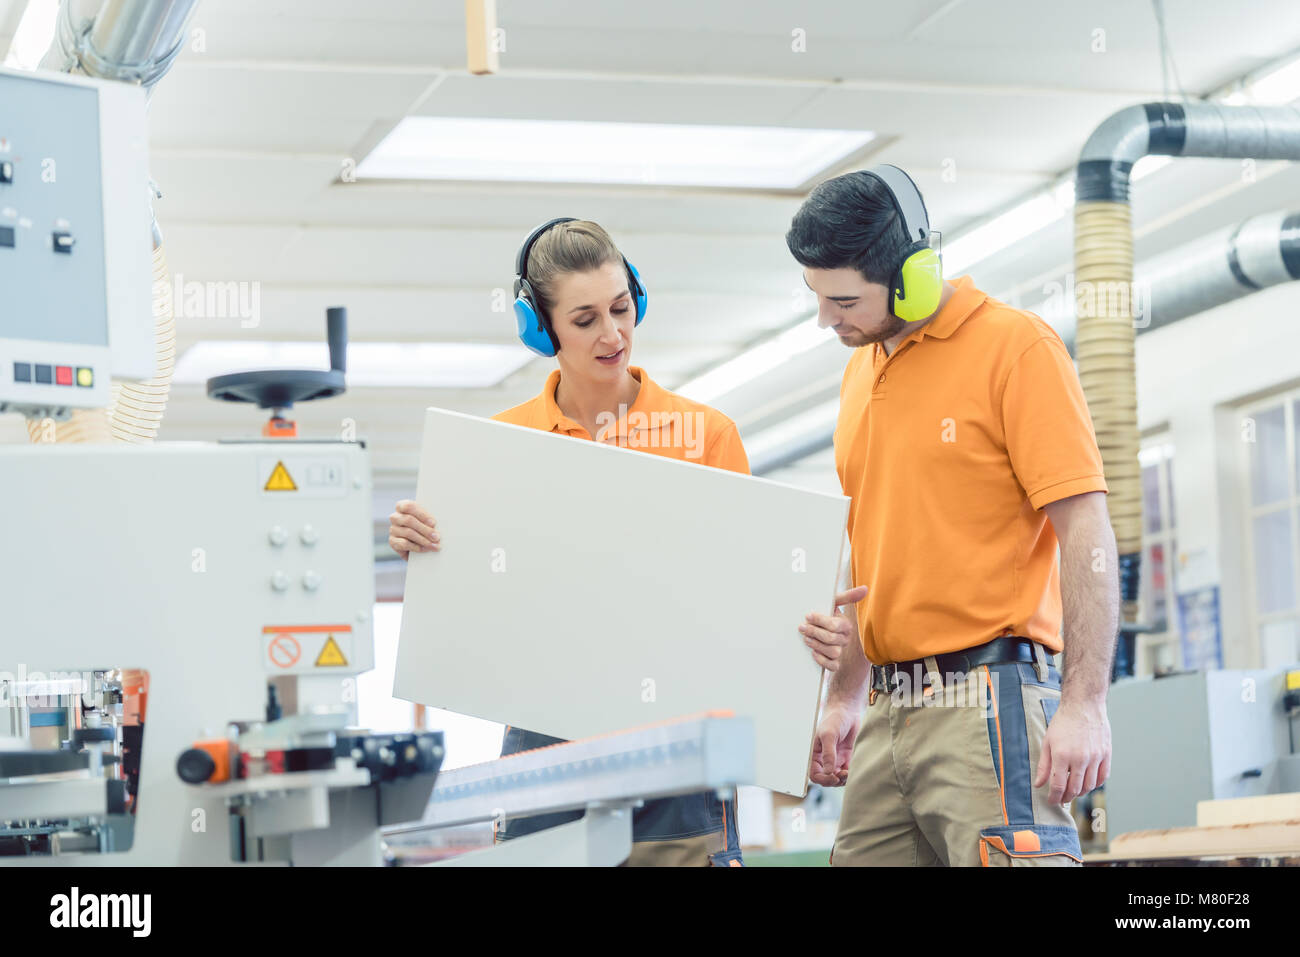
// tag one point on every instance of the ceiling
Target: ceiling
(983, 103)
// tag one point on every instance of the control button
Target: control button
(308, 535)
(278, 536)
(310, 581)
(7, 237)
(63, 241)
(63, 375)
(279, 581)
(44, 374)
(22, 372)
(85, 377)
(6, 172)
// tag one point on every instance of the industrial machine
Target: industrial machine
(1228, 734)
(184, 622)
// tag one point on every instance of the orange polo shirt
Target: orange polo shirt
(949, 449)
(658, 421)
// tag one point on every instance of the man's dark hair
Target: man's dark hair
(849, 221)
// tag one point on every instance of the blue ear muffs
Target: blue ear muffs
(637, 289)
(534, 332)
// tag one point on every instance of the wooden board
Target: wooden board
(584, 588)
(1241, 840)
(1248, 810)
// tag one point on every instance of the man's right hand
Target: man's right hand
(833, 746)
(826, 635)
(412, 529)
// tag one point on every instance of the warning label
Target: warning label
(288, 649)
(280, 480)
(284, 651)
(331, 655)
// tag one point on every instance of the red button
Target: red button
(63, 375)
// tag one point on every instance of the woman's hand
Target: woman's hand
(412, 529)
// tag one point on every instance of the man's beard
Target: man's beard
(892, 327)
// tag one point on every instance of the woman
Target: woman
(579, 300)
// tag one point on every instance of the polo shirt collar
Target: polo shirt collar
(651, 397)
(964, 301)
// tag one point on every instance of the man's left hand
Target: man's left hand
(1075, 755)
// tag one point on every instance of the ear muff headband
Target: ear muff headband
(534, 332)
(918, 281)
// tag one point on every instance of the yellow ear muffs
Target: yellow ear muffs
(918, 285)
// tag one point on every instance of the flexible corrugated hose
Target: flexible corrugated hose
(135, 409)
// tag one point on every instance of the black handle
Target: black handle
(336, 326)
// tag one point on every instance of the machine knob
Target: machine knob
(278, 536)
(310, 581)
(195, 766)
(279, 581)
(308, 535)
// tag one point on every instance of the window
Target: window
(1269, 432)
(1159, 650)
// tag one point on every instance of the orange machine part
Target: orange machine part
(222, 754)
(280, 428)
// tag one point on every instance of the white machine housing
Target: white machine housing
(85, 177)
(177, 559)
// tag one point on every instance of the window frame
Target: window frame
(1287, 400)
(1160, 445)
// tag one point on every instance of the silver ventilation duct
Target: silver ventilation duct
(1261, 252)
(134, 41)
(1222, 266)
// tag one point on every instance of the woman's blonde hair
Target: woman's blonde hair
(575, 246)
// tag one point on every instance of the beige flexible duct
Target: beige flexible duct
(1104, 347)
(135, 408)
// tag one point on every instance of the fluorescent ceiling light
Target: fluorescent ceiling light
(34, 35)
(547, 151)
(439, 365)
(1021, 221)
(1275, 88)
(754, 362)
(1015, 224)
(815, 420)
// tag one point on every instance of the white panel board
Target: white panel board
(583, 588)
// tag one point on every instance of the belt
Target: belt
(998, 651)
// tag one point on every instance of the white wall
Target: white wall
(1192, 376)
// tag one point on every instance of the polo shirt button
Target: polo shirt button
(882, 377)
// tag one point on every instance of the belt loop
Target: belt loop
(932, 669)
(1040, 661)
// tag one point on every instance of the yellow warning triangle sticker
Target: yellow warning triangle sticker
(331, 654)
(280, 481)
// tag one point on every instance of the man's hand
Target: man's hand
(836, 733)
(412, 529)
(827, 635)
(1076, 751)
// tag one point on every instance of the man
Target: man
(966, 446)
